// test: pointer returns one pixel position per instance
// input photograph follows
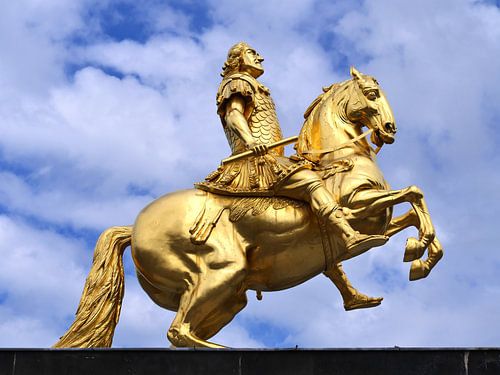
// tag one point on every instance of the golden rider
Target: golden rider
(249, 120)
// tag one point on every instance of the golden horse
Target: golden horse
(281, 246)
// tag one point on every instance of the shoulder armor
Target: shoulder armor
(235, 84)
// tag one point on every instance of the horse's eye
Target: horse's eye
(372, 95)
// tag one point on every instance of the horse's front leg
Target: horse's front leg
(371, 202)
(421, 268)
(397, 224)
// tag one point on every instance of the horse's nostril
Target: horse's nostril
(388, 126)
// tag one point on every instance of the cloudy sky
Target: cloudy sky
(106, 104)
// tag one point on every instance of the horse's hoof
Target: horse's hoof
(418, 270)
(413, 250)
(181, 338)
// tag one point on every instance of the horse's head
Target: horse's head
(332, 116)
(369, 107)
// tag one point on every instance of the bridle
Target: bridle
(343, 145)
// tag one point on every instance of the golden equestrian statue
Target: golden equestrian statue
(261, 221)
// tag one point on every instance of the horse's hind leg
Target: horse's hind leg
(211, 289)
(180, 332)
(220, 317)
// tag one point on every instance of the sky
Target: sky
(106, 105)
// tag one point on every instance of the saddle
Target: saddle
(215, 205)
(238, 207)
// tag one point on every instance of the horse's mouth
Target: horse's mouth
(381, 137)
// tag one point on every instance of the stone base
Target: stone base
(250, 362)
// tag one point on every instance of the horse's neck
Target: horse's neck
(342, 139)
(328, 129)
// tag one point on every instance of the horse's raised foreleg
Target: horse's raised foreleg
(352, 298)
(420, 268)
(371, 202)
(397, 224)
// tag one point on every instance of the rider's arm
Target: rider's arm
(237, 123)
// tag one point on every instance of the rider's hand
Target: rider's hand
(258, 149)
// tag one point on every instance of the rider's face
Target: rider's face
(251, 62)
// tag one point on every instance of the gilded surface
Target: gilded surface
(262, 119)
(198, 253)
(264, 122)
(258, 174)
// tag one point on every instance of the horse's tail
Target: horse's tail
(101, 300)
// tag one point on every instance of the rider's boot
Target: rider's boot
(355, 242)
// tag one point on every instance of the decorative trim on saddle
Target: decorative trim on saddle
(206, 220)
(215, 205)
(257, 205)
(336, 166)
(253, 176)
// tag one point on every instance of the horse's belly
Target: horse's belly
(284, 248)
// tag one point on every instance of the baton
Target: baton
(248, 153)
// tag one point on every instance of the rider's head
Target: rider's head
(243, 58)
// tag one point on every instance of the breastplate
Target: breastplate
(263, 124)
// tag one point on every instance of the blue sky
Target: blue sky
(106, 105)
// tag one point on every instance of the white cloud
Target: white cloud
(41, 276)
(33, 35)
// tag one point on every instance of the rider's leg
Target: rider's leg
(352, 298)
(307, 185)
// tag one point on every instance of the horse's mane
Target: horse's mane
(332, 90)
(304, 142)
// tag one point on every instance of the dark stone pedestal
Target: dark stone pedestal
(250, 362)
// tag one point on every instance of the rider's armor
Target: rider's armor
(253, 175)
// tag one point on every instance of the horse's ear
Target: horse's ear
(355, 73)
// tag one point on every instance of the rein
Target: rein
(341, 146)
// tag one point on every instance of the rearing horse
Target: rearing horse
(280, 245)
